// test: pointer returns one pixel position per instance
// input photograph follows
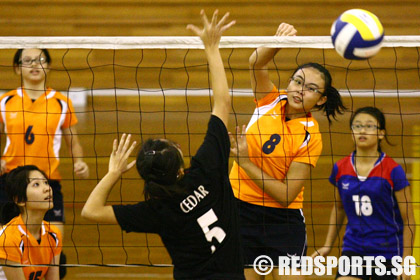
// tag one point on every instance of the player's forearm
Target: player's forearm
(53, 272)
(408, 240)
(407, 214)
(97, 199)
(275, 188)
(261, 57)
(336, 222)
(409, 230)
(73, 144)
(15, 273)
(77, 151)
(218, 77)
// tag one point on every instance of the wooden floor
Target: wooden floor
(184, 120)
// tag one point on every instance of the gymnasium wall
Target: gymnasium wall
(169, 18)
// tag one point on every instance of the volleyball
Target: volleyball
(357, 34)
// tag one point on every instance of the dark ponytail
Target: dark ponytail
(158, 163)
(334, 104)
(8, 209)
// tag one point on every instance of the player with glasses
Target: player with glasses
(357, 127)
(275, 156)
(372, 191)
(305, 87)
(29, 61)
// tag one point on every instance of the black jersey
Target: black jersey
(199, 229)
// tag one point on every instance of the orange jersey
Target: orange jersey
(273, 144)
(18, 245)
(34, 129)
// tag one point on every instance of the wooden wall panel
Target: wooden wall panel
(169, 18)
(166, 18)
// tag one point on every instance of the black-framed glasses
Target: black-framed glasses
(28, 60)
(366, 127)
(300, 83)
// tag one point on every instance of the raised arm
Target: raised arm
(258, 63)
(336, 222)
(95, 208)
(210, 34)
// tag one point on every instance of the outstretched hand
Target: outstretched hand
(211, 32)
(118, 161)
(238, 145)
(286, 29)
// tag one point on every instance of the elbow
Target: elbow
(252, 61)
(255, 63)
(287, 200)
(285, 204)
(87, 214)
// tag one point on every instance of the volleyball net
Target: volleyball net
(159, 87)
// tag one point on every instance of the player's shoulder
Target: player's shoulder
(11, 232)
(271, 99)
(53, 232)
(8, 94)
(388, 164)
(389, 161)
(308, 124)
(51, 228)
(60, 96)
(344, 162)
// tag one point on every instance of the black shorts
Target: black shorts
(56, 214)
(272, 232)
(364, 275)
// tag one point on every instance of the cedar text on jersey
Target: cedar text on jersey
(191, 201)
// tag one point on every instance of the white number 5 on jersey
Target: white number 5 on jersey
(205, 221)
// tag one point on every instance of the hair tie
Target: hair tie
(150, 153)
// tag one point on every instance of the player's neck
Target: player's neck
(366, 156)
(34, 90)
(292, 114)
(33, 222)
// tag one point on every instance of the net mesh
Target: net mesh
(159, 87)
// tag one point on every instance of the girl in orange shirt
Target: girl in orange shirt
(275, 155)
(34, 119)
(27, 239)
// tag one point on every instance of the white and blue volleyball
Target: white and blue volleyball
(357, 34)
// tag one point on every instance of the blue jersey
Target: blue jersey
(375, 226)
